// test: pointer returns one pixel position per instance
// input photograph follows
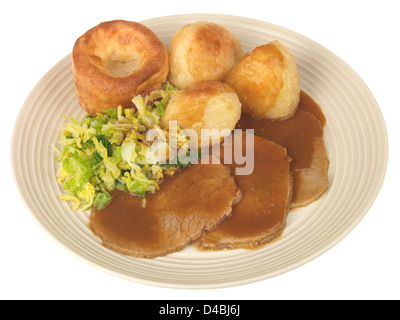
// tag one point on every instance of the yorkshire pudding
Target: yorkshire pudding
(116, 60)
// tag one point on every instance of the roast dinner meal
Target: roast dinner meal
(197, 143)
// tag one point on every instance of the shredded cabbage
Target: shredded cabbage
(110, 151)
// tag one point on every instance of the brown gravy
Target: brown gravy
(308, 104)
(295, 133)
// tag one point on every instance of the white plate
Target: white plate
(355, 136)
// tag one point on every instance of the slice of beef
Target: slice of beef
(260, 216)
(193, 201)
(303, 137)
(311, 183)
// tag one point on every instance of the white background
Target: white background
(35, 35)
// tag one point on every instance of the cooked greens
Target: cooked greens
(110, 150)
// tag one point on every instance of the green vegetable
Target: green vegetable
(101, 200)
(102, 138)
(161, 109)
(107, 151)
